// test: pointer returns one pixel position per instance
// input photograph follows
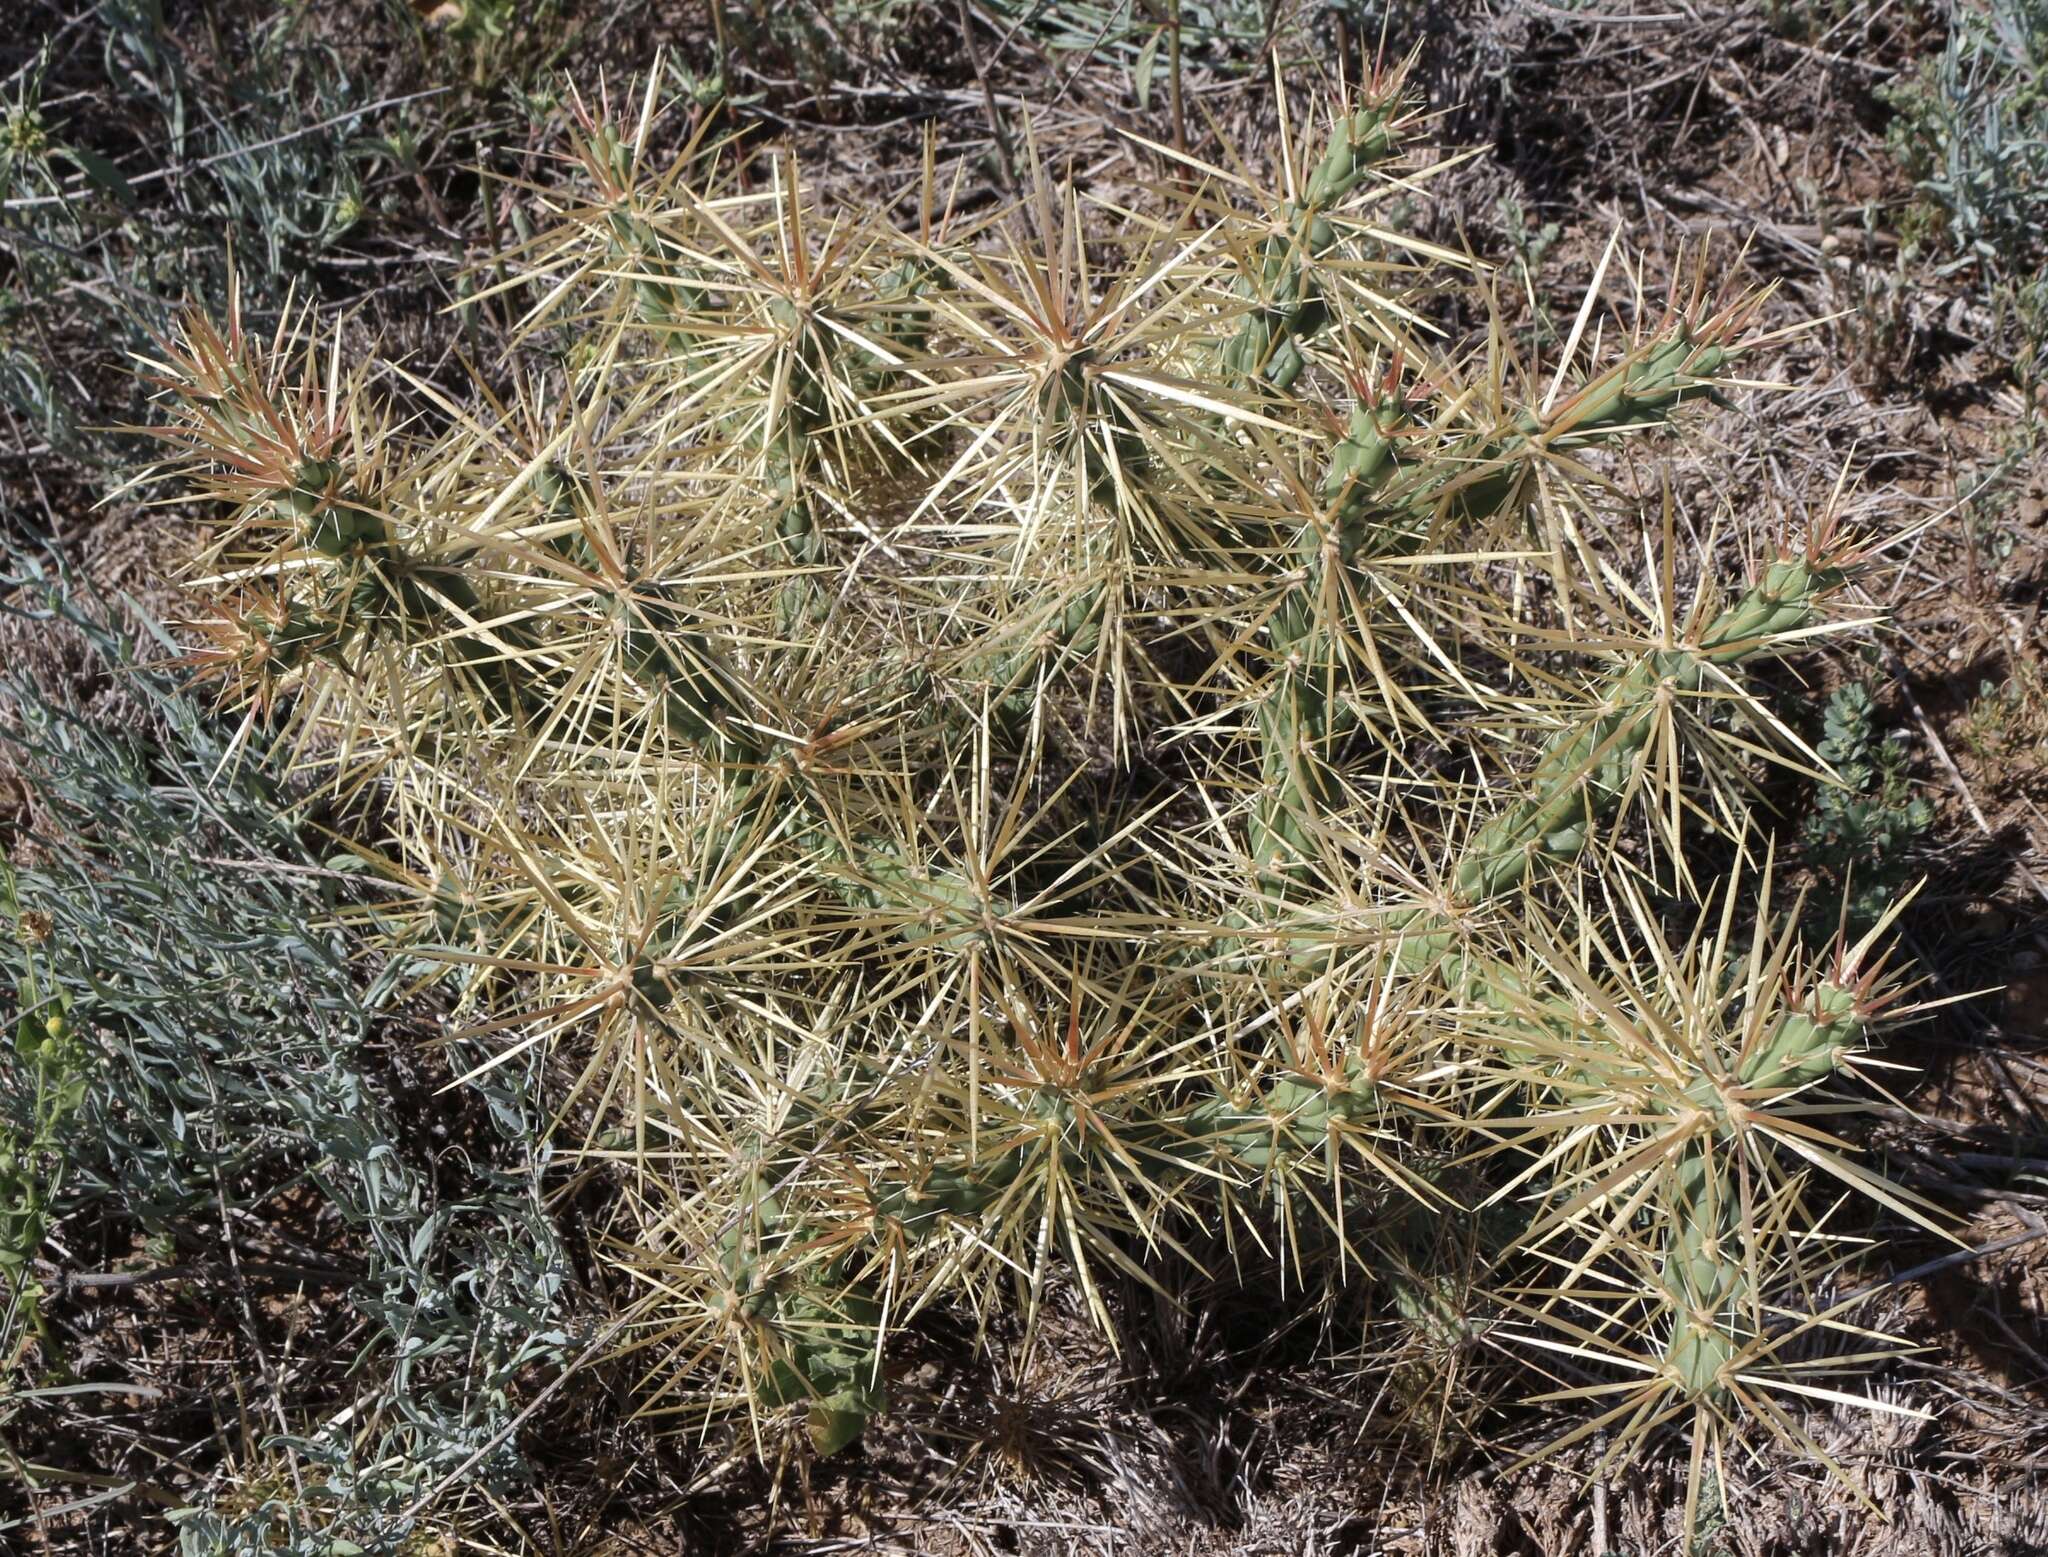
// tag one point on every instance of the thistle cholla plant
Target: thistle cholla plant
(1069, 748)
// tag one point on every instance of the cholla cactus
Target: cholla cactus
(1039, 745)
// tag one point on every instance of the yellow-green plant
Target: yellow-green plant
(47, 1084)
(1009, 751)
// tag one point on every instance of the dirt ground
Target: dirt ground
(1672, 127)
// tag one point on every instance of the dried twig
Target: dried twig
(1961, 786)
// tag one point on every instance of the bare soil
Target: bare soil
(1224, 1436)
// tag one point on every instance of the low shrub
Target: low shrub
(1970, 127)
(198, 1042)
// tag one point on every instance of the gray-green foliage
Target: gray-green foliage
(117, 206)
(220, 1054)
(1226, 35)
(41, 1088)
(1971, 128)
(817, 42)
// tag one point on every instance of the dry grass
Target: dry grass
(1213, 1431)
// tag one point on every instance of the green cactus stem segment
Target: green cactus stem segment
(662, 297)
(1707, 1284)
(1580, 775)
(699, 697)
(903, 316)
(382, 588)
(1296, 719)
(565, 502)
(937, 908)
(1808, 1044)
(335, 520)
(1641, 391)
(818, 352)
(1375, 506)
(1583, 771)
(1073, 632)
(1287, 310)
(296, 638)
(815, 1335)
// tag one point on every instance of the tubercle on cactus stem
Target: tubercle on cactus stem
(1073, 631)
(813, 1333)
